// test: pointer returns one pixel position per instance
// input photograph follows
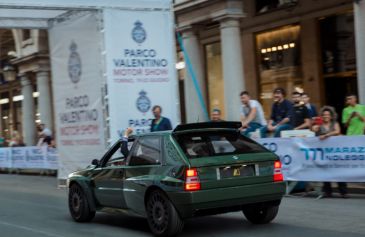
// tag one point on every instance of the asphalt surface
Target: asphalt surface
(32, 206)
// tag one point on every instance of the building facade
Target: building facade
(25, 89)
(258, 45)
(233, 45)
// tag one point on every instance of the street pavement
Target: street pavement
(32, 206)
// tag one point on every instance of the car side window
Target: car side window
(115, 156)
(146, 152)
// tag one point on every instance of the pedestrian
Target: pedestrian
(252, 114)
(327, 127)
(216, 116)
(299, 115)
(159, 123)
(312, 111)
(16, 140)
(2, 141)
(353, 116)
(280, 112)
(44, 135)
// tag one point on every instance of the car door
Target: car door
(143, 166)
(108, 179)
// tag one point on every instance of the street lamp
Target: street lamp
(9, 73)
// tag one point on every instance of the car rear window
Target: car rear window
(216, 143)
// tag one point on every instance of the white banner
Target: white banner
(5, 160)
(340, 158)
(140, 60)
(29, 158)
(77, 88)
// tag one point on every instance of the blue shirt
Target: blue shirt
(312, 111)
(163, 125)
(280, 111)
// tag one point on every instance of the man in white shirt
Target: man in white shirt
(44, 134)
(252, 114)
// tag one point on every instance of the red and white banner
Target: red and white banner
(77, 89)
(141, 73)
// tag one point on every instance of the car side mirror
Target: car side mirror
(95, 162)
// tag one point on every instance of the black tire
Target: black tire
(79, 205)
(260, 213)
(162, 217)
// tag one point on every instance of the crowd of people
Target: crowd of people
(299, 114)
(44, 136)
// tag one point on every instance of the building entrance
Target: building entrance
(336, 89)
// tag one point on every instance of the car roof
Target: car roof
(191, 127)
(206, 126)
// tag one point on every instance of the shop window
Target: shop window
(279, 62)
(269, 5)
(5, 115)
(215, 81)
(338, 43)
(338, 58)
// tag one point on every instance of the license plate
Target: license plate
(237, 171)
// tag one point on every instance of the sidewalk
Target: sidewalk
(353, 188)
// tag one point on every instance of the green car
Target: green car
(167, 177)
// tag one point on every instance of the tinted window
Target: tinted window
(146, 152)
(115, 156)
(217, 143)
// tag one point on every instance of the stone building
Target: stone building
(257, 45)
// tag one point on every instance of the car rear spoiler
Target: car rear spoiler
(207, 125)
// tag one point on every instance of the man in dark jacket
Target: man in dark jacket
(124, 142)
(312, 111)
(280, 114)
(299, 116)
(159, 123)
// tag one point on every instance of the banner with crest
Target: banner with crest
(140, 65)
(77, 82)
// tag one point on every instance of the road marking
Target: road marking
(30, 229)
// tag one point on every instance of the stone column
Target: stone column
(311, 58)
(29, 129)
(359, 14)
(44, 99)
(232, 60)
(193, 108)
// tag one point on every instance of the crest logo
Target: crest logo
(143, 102)
(74, 64)
(139, 34)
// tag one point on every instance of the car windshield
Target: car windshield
(216, 143)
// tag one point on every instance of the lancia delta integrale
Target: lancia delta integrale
(195, 170)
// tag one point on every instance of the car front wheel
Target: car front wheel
(79, 205)
(162, 216)
(260, 213)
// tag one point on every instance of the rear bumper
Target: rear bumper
(222, 200)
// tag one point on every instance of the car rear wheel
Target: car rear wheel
(79, 205)
(162, 216)
(260, 213)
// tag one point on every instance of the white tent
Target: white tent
(112, 60)
(37, 13)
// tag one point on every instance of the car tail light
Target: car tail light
(192, 182)
(278, 176)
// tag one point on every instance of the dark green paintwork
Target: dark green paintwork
(126, 187)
